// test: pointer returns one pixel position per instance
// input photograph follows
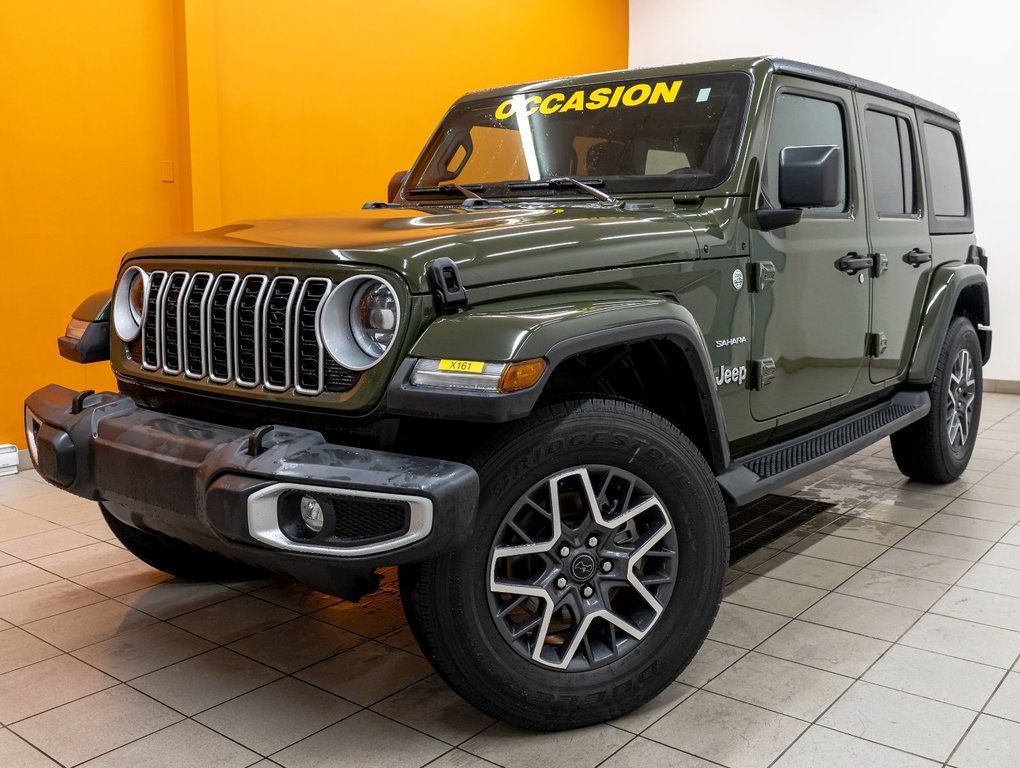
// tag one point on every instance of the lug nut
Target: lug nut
(587, 591)
(593, 542)
(606, 566)
(561, 582)
(564, 551)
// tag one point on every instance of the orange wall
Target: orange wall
(265, 107)
(319, 102)
(87, 118)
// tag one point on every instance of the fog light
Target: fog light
(311, 514)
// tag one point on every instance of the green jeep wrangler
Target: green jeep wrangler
(595, 311)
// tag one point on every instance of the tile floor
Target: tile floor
(886, 632)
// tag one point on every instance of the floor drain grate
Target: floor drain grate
(754, 525)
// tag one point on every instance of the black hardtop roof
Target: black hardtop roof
(821, 74)
(749, 64)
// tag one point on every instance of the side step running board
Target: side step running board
(749, 477)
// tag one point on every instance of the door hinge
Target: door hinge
(881, 265)
(876, 343)
(763, 275)
(764, 371)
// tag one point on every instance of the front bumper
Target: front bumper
(226, 490)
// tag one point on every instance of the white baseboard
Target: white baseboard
(1002, 386)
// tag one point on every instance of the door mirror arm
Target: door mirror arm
(774, 218)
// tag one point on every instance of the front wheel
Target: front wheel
(594, 573)
(937, 448)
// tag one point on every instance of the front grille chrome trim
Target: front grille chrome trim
(176, 278)
(321, 378)
(241, 326)
(203, 353)
(228, 332)
(267, 357)
(152, 338)
(243, 330)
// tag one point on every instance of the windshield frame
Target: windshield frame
(623, 185)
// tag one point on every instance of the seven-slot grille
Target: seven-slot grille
(249, 331)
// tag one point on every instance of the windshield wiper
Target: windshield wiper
(568, 181)
(469, 192)
(471, 198)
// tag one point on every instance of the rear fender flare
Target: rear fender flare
(947, 285)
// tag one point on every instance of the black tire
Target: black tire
(454, 614)
(925, 450)
(177, 558)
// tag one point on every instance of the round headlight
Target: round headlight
(359, 321)
(374, 318)
(129, 303)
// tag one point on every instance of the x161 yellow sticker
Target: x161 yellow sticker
(462, 366)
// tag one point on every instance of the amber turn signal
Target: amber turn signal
(517, 376)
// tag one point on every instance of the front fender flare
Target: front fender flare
(947, 284)
(87, 339)
(556, 328)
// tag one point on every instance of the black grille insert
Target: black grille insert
(362, 521)
(194, 325)
(221, 325)
(150, 340)
(172, 322)
(277, 329)
(248, 330)
(336, 378)
(249, 303)
(308, 355)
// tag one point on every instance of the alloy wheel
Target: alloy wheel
(582, 568)
(962, 393)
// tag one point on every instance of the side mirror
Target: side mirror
(809, 176)
(394, 186)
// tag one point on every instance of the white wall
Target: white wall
(961, 55)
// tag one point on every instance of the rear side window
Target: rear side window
(891, 163)
(801, 121)
(945, 171)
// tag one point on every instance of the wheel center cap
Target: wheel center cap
(583, 567)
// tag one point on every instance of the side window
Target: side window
(890, 163)
(804, 121)
(945, 171)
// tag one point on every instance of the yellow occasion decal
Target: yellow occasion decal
(600, 98)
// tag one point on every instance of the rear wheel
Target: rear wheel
(177, 558)
(937, 448)
(594, 575)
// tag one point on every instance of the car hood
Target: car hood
(490, 246)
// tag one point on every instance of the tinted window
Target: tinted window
(802, 121)
(945, 171)
(643, 135)
(891, 163)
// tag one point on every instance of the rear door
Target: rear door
(897, 232)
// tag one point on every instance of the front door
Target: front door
(812, 322)
(897, 231)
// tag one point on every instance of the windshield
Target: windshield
(636, 136)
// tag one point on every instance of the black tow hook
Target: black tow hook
(261, 440)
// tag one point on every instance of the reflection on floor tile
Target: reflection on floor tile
(884, 632)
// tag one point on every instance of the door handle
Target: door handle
(917, 257)
(853, 263)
